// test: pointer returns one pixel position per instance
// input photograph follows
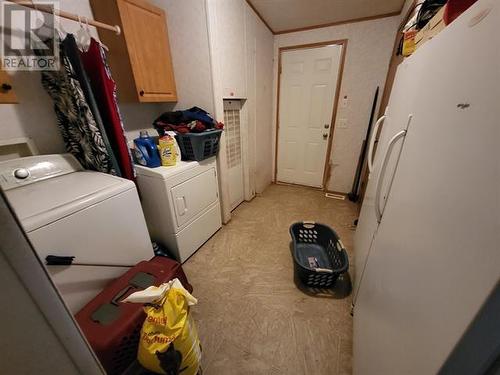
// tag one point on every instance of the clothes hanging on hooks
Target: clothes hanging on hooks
(104, 88)
(71, 50)
(76, 122)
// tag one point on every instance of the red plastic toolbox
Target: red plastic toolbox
(112, 327)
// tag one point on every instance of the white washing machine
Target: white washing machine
(68, 211)
(181, 204)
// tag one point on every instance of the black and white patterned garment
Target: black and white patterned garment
(76, 122)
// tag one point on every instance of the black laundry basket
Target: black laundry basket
(199, 146)
(319, 256)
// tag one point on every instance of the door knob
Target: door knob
(325, 135)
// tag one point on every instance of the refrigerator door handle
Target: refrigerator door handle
(372, 142)
(385, 160)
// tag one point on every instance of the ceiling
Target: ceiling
(286, 15)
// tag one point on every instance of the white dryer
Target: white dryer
(68, 211)
(181, 204)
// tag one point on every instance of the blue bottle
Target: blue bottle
(146, 152)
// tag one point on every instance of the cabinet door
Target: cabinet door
(7, 94)
(145, 31)
(231, 47)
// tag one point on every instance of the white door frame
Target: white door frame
(327, 167)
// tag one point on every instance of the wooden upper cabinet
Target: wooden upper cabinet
(7, 94)
(139, 57)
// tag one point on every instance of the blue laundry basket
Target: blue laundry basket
(319, 256)
(199, 146)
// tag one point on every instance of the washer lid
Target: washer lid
(43, 202)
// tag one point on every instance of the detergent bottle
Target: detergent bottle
(146, 151)
(168, 152)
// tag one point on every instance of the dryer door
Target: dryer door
(194, 196)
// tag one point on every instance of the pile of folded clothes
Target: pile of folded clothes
(193, 120)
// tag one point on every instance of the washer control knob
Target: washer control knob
(21, 173)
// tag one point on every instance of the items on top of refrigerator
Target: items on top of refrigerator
(431, 29)
(455, 8)
(427, 11)
(423, 24)
(409, 42)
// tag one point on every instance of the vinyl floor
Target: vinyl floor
(251, 316)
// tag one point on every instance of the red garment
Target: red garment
(104, 89)
(455, 8)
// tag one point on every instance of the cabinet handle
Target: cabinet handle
(6, 87)
(142, 93)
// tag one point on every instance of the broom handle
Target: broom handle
(57, 260)
(98, 265)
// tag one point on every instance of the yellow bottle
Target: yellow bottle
(168, 152)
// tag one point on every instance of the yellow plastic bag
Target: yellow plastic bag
(169, 342)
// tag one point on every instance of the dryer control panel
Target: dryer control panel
(23, 171)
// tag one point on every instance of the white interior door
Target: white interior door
(232, 123)
(307, 90)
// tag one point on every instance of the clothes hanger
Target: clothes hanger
(61, 31)
(98, 41)
(47, 30)
(83, 36)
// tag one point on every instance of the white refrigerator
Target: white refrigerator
(427, 246)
